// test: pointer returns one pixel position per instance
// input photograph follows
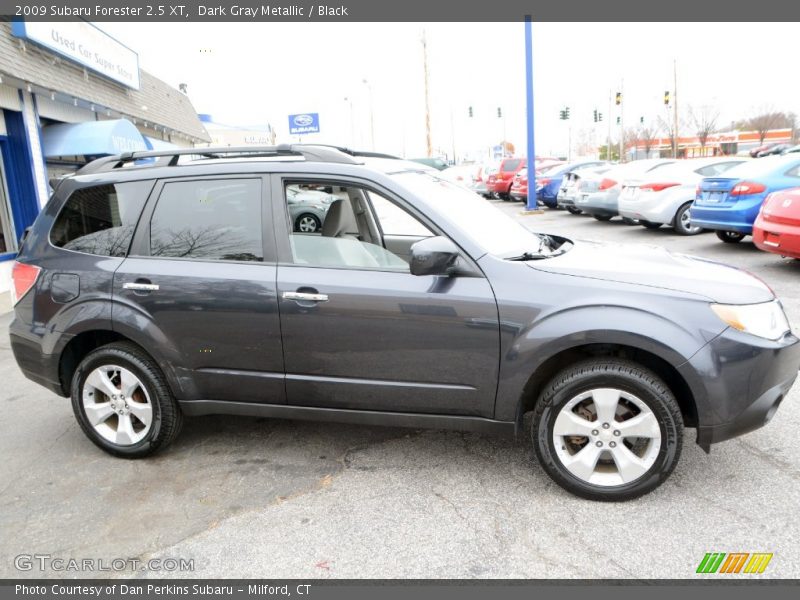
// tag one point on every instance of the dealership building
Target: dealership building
(70, 93)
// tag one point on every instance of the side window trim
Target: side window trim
(140, 247)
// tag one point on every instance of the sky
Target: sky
(257, 73)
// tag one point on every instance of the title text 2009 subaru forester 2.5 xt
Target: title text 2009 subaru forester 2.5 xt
(156, 285)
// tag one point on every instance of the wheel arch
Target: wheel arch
(570, 356)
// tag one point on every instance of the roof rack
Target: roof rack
(170, 158)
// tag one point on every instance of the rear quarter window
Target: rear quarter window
(100, 219)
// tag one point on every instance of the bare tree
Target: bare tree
(666, 123)
(704, 121)
(764, 121)
(647, 136)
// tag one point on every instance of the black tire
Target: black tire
(620, 374)
(603, 217)
(574, 210)
(730, 237)
(628, 221)
(316, 221)
(680, 226)
(167, 417)
(649, 225)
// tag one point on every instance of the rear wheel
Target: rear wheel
(574, 210)
(649, 225)
(730, 237)
(607, 429)
(123, 403)
(602, 217)
(683, 224)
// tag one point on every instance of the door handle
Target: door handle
(305, 297)
(140, 287)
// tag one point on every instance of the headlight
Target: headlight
(766, 320)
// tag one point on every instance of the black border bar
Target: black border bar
(333, 11)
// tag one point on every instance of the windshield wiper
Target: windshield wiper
(528, 256)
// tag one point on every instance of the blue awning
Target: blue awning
(157, 144)
(93, 138)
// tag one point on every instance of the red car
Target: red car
(519, 186)
(777, 227)
(499, 184)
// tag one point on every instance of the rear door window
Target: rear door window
(208, 220)
(101, 219)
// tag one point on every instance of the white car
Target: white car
(463, 175)
(665, 196)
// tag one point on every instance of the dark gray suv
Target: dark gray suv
(162, 284)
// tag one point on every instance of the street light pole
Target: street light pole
(428, 144)
(531, 204)
(371, 115)
(675, 103)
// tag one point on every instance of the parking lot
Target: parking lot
(247, 497)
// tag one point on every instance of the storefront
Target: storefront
(70, 93)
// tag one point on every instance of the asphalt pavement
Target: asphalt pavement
(246, 497)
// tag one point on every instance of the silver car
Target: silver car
(598, 194)
(664, 196)
(307, 208)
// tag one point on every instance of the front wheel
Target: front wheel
(683, 224)
(730, 237)
(607, 429)
(123, 403)
(574, 210)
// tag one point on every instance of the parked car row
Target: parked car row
(731, 195)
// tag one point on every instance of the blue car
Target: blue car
(549, 182)
(730, 204)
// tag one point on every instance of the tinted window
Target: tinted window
(209, 219)
(100, 220)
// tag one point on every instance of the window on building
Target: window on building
(209, 220)
(101, 219)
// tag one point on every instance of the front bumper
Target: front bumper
(738, 382)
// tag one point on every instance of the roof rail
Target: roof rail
(310, 152)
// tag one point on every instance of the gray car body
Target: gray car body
(468, 352)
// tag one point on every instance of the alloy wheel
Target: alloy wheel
(117, 405)
(607, 437)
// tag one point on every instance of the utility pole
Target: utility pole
(621, 125)
(531, 150)
(428, 144)
(452, 134)
(675, 104)
(371, 114)
(610, 113)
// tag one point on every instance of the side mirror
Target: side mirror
(433, 256)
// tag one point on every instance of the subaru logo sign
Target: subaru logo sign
(304, 123)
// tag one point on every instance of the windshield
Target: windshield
(497, 233)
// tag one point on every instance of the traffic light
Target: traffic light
(595, 115)
(566, 111)
(562, 114)
(666, 98)
(499, 112)
(470, 112)
(599, 117)
(617, 120)
(619, 98)
(641, 120)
